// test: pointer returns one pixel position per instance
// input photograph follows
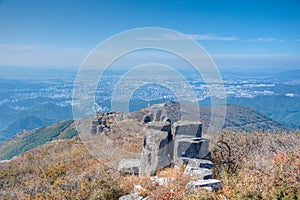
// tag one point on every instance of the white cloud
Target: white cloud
(211, 37)
(264, 39)
(206, 37)
(203, 37)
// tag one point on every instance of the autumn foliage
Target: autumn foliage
(251, 166)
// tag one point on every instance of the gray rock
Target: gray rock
(162, 118)
(161, 181)
(158, 115)
(151, 116)
(197, 172)
(188, 128)
(99, 129)
(94, 129)
(202, 163)
(157, 150)
(95, 122)
(147, 119)
(129, 166)
(190, 147)
(214, 184)
(194, 162)
(106, 129)
(160, 126)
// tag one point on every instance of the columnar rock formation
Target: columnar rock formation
(181, 144)
(165, 143)
(157, 150)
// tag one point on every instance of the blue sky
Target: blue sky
(256, 33)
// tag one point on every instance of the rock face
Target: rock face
(190, 147)
(187, 128)
(181, 144)
(165, 142)
(157, 147)
(188, 140)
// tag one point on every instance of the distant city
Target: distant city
(56, 87)
(20, 95)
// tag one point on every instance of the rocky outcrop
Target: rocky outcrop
(179, 143)
(190, 147)
(157, 147)
(102, 122)
(165, 142)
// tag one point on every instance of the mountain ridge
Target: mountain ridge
(238, 118)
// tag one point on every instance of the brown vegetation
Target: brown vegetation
(255, 166)
(250, 166)
(57, 170)
(260, 166)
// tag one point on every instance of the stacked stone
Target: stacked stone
(200, 171)
(188, 140)
(180, 143)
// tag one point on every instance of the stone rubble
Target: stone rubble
(102, 121)
(209, 184)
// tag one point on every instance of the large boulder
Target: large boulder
(190, 147)
(160, 126)
(187, 128)
(157, 150)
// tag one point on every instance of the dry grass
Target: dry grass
(259, 166)
(57, 170)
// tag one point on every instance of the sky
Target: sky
(237, 34)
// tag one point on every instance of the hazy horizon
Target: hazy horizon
(237, 34)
